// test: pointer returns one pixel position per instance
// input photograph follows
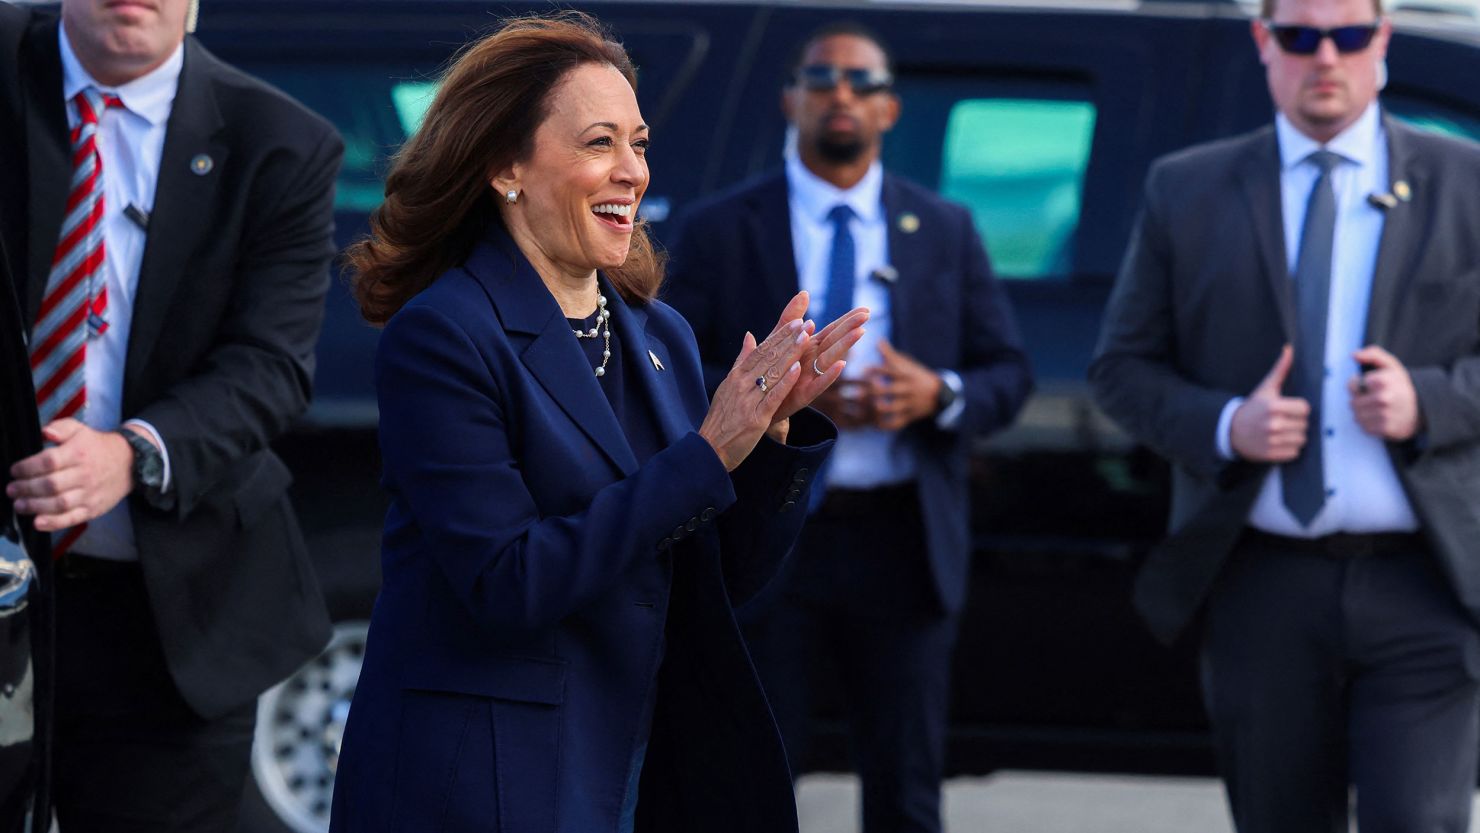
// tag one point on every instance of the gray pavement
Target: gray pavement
(1030, 802)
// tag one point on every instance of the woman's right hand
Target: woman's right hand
(742, 410)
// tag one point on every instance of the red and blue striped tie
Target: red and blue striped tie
(75, 304)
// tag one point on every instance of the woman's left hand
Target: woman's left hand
(822, 362)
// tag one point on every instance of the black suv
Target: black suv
(1042, 120)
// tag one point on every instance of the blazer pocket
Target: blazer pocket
(264, 485)
(520, 699)
(444, 772)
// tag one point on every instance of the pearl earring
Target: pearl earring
(511, 197)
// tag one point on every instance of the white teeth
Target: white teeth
(613, 208)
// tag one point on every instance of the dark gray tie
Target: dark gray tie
(1303, 479)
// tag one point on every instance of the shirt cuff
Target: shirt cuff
(164, 489)
(1225, 423)
(948, 419)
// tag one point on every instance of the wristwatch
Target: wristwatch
(946, 397)
(148, 468)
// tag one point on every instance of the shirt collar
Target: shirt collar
(1358, 143)
(149, 96)
(815, 196)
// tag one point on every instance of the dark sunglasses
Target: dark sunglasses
(1305, 40)
(824, 77)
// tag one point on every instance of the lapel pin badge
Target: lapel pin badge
(657, 363)
(201, 164)
(1402, 191)
(909, 223)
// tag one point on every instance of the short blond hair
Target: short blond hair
(1266, 8)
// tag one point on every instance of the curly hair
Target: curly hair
(438, 202)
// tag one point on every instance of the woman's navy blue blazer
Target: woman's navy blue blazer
(539, 584)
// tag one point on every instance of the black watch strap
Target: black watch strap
(148, 468)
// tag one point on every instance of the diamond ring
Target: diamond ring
(815, 370)
(760, 382)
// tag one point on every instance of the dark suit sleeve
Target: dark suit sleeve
(445, 427)
(771, 487)
(694, 283)
(1133, 375)
(1449, 403)
(258, 375)
(996, 378)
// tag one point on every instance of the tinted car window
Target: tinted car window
(1014, 153)
(1019, 164)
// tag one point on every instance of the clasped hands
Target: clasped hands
(83, 474)
(775, 378)
(1269, 427)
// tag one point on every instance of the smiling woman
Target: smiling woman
(571, 517)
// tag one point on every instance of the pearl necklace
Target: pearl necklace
(604, 329)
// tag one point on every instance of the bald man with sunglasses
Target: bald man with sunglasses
(878, 578)
(1296, 327)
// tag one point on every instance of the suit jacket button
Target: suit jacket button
(679, 533)
(708, 514)
(692, 524)
(793, 494)
(800, 474)
(665, 543)
(786, 507)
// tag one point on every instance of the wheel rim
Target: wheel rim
(300, 723)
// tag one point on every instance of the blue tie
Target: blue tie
(841, 268)
(1303, 479)
(841, 273)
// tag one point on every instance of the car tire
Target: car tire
(296, 746)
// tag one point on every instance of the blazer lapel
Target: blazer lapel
(48, 157)
(185, 196)
(638, 351)
(908, 253)
(1404, 229)
(552, 355)
(1261, 186)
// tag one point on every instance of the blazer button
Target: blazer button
(801, 473)
(679, 533)
(692, 524)
(665, 543)
(793, 494)
(786, 507)
(708, 514)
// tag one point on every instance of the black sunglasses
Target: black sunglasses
(823, 77)
(1305, 40)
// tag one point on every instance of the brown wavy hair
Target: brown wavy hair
(438, 200)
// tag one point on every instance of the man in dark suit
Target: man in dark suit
(1296, 327)
(879, 576)
(171, 236)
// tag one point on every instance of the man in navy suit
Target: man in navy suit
(879, 576)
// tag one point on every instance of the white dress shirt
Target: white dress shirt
(1363, 493)
(130, 142)
(863, 458)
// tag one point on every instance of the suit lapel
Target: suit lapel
(48, 156)
(185, 197)
(638, 351)
(552, 355)
(908, 254)
(1403, 229)
(1261, 186)
(770, 226)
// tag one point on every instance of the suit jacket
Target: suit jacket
(539, 582)
(220, 357)
(734, 269)
(1204, 304)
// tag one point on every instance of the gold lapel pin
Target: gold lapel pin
(201, 164)
(909, 223)
(657, 364)
(1402, 191)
